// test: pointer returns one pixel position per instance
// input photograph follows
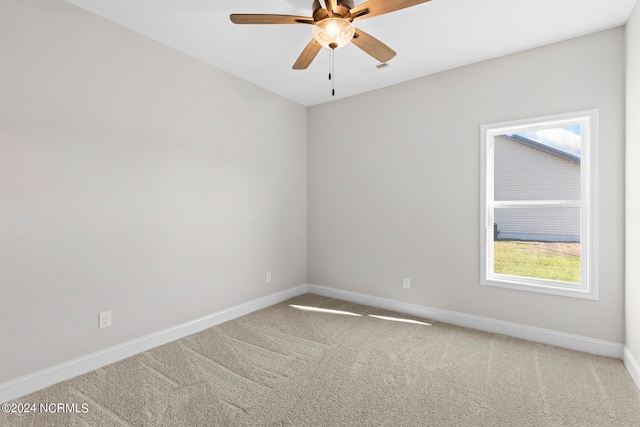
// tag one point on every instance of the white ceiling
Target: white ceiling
(430, 37)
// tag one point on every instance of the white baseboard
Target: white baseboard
(632, 365)
(530, 333)
(33, 382)
(27, 384)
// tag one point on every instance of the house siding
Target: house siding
(525, 173)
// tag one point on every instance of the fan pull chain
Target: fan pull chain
(333, 72)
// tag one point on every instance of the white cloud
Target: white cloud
(558, 138)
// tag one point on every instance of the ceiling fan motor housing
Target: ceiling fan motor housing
(341, 11)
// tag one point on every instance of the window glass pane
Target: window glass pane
(541, 165)
(542, 243)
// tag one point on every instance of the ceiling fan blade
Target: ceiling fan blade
(380, 7)
(308, 55)
(373, 46)
(251, 18)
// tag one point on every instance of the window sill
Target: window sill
(562, 289)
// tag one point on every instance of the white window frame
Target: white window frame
(588, 286)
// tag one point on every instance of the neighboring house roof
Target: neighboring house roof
(544, 148)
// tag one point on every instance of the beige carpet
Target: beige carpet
(287, 365)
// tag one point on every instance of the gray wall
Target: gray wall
(395, 192)
(633, 186)
(135, 179)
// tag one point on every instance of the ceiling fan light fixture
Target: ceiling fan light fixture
(333, 33)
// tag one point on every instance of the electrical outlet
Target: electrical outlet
(269, 277)
(104, 319)
(406, 283)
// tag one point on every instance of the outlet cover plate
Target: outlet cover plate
(104, 319)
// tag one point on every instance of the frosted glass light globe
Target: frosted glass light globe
(333, 33)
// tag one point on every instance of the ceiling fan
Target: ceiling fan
(333, 28)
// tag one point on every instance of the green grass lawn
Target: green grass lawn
(542, 260)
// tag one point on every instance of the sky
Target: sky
(566, 139)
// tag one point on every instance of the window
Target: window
(539, 207)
